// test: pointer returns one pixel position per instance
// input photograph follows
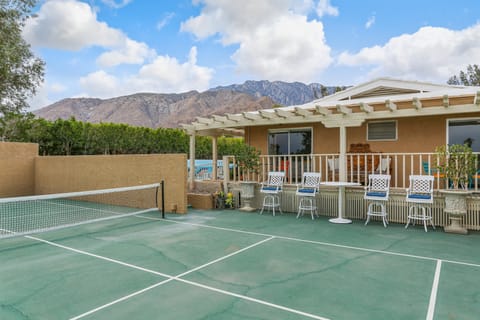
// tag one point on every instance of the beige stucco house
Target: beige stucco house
(350, 134)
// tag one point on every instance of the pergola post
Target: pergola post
(342, 163)
(192, 161)
(214, 157)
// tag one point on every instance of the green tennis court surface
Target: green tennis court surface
(232, 265)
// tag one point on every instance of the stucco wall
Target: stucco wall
(415, 134)
(54, 174)
(17, 168)
(325, 140)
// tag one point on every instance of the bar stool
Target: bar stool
(272, 189)
(307, 191)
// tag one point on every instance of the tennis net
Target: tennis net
(32, 214)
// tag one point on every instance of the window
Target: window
(382, 130)
(465, 131)
(294, 141)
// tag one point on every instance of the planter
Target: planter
(456, 209)
(247, 192)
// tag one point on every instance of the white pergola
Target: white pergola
(382, 98)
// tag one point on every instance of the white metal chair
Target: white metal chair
(307, 191)
(420, 197)
(271, 189)
(333, 167)
(384, 166)
(377, 194)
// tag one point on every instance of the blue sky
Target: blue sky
(109, 48)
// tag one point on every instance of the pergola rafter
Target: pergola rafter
(477, 98)
(416, 103)
(366, 107)
(446, 102)
(282, 113)
(390, 105)
(343, 109)
(303, 112)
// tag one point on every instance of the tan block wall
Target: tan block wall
(17, 168)
(56, 174)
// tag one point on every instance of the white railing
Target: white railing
(358, 167)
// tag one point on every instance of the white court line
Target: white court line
(276, 306)
(433, 294)
(224, 257)
(329, 244)
(99, 257)
(121, 299)
(177, 278)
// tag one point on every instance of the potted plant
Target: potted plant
(457, 163)
(248, 160)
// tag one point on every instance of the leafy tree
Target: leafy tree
(469, 78)
(15, 126)
(20, 71)
(323, 90)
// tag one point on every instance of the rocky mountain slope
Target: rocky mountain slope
(170, 110)
(283, 93)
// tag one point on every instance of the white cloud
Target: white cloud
(131, 52)
(115, 4)
(370, 22)
(275, 40)
(167, 74)
(69, 25)
(276, 52)
(99, 84)
(165, 20)
(41, 99)
(164, 74)
(325, 8)
(73, 25)
(432, 53)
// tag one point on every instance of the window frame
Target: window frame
(382, 121)
(289, 130)
(450, 120)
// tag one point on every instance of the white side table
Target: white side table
(341, 198)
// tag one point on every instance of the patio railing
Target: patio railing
(358, 167)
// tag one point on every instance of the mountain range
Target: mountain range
(156, 110)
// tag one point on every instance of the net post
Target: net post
(163, 199)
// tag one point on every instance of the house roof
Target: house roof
(380, 98)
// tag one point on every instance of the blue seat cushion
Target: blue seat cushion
(306, 190)
(267, 188)
(377, 194)
(419, 196)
